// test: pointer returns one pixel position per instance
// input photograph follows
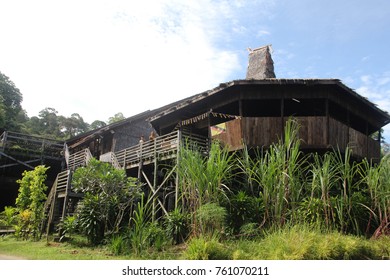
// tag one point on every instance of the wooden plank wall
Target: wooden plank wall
(313, 132)
(338, 134)
(261, 131)
(233, 135)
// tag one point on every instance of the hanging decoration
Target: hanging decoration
(225, 116)
(205, 116)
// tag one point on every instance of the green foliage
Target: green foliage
(211, 219)
(116, 118)
(10, 104)
(143, 233)
(203, 179)
(138, 233)
(176, 224)
(91, 218)
(201, 248)
(30, 201)
(109, 194)
(68, 227)
(8, 216)
(377, 179)
(278, 175)
(244, 208)
(118, 244)
(302, 242)
(249, 230)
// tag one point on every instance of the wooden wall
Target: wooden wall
(315, 133)
(232, 137)
(129, 135)
(261, 131)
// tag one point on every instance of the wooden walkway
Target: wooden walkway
(31, 145)
(161, 148)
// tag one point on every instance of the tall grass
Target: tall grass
(278, 174)
(203, 179)
(323, 181)
(377, 179)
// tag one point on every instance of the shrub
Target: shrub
(244, 209)
(303, 242)
(177, 226)
(109, 194)
(249, 230)
(118, 244)
(8, 216)
(30, 201)
(68, 226)
(211, 218)
(201, 248)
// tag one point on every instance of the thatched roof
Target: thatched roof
(336, 89)
(261, 65)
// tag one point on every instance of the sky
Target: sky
(98, 58)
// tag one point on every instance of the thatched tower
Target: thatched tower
(261, 65)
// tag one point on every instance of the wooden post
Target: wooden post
(327, 122)
(209, 130)
(282, 116)
(66, 198)
(52, 206)
(155, 178)
(4, 140)
(179, 143)
(140, 164)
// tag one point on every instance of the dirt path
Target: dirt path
(8, 257)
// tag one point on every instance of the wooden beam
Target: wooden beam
(15, 164)
(154, 194)
(18, 161)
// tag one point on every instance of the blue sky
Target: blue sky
(72, 55)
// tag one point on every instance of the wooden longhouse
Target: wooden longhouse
(251, 112)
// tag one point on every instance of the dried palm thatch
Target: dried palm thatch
(261, 65)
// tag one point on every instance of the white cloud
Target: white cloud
(98, 58)
(366, 79)
(263, 32)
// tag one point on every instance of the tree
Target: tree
(116, 118)
(10, 103)
(30, 201)
(97, 124)
(72, 126)
(108, 196)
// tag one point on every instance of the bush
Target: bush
(249, 230)
(30, 202)
(68, 227)
(201, 248)
(244, 209)
(177, 226)
(302, 242)
(118, 244)
(8, 216)
(211, 218)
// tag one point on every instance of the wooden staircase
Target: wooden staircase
(62, 200)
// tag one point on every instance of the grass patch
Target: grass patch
(304, 243)
(42, 250)
(289, 243)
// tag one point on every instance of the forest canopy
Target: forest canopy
(48, 123)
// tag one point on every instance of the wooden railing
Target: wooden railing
(78, 159)
(31, 145)
(111, 158)
(162, 147)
